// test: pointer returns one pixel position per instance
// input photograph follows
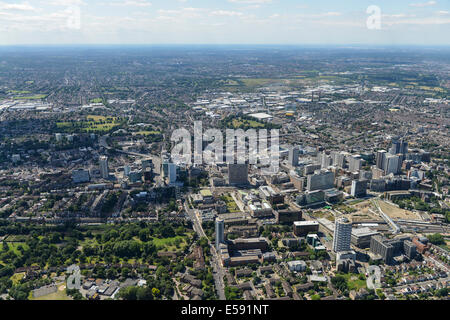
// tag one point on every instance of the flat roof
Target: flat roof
(305, 223)
(261, 116)
(360, 232)
(206, 193)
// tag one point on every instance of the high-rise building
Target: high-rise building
(359, 188)
(380, 159)
(220, 232)
(338, 159)
(104, 171)
(399, 146)
(326, 161)
(165, 168)
(320, 181)
(391, 164)
(355, 163)
(410, 249)
(293, 156)
(237, 174)
(342, 235)
(172, 172)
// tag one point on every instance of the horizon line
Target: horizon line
(224, 44)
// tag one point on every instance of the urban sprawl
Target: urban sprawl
(359, 208)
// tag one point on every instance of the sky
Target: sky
(294, 22)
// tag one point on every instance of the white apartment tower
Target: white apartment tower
(104, 171)
(220, 232)
(342, 235)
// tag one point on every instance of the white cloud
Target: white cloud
(132, 3)
(251, 1)
(226, 13)
(424, 4)
(24, 6)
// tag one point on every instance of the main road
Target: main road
(218, 271)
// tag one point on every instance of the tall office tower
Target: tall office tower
(399, 146)
(326, 161)
(359, 188)
(319, 157)
(172, 172)
(126, 171)
(104, 171)
(381, 158)
(391, 164)
(403, 147)
(220, 232)
(165, 169)
(342, 235)
(395, 148)
(355, 163)
(237, 174)
(338, 159)
(293, 156)
(320, 181)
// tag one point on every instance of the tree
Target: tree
(442, 292)
(144, 293)
(436, 239)
(156, 292)
(340, 283)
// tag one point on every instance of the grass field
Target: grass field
(97, 100)
(19, 91)
(237, 123)
(169, 243)
(323, 214)
(58, 295)
(354, 283)
(256, 82)
(34, 97)
(14, 246)
(92, 123)
(395, 212)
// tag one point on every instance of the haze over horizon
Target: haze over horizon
(271, 22)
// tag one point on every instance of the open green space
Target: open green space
(33, 97)
(56, 296)
(91, 124)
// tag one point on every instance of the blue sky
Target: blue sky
(418, 22)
